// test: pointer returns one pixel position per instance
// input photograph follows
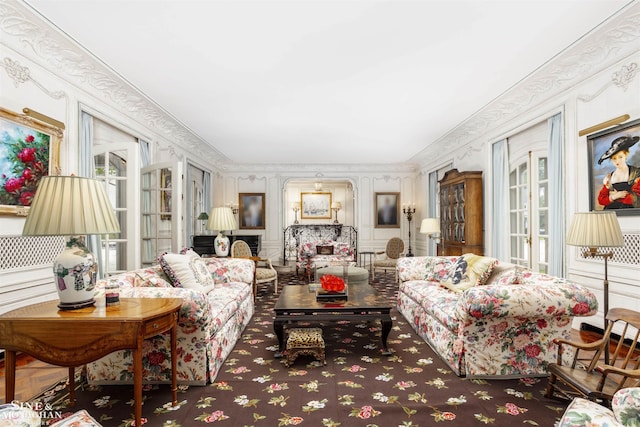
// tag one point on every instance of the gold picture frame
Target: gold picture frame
(165, 194)
(315, 205)
(251, 210)
(387, 210)
(29, 150)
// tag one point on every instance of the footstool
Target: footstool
(305, 341)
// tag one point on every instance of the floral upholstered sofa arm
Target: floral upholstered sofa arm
(624, 412)
(548, 299)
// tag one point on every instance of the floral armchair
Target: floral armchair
(323, 253)
(624, 412)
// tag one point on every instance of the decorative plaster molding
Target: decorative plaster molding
(252, 178)
(59, 54)
(328, 169)
(21, 74)
(625, 76)
(620, 78)
(610, 43)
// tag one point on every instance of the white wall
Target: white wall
(589, 83)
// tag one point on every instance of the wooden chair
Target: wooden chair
(265, 272)
(610, 368)
(394, 248)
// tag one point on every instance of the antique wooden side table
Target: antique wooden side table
(76, 337)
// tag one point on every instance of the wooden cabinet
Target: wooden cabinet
(461, 213)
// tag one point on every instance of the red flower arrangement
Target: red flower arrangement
(331, 283)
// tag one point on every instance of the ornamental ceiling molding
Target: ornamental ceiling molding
(63, 57)
(615, 40)
(313, 169)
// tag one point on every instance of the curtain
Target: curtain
(556, 195)
(145, 156)
(189, 200)
(433, 203)
(87, 168)
(206, 190)
(500, 202)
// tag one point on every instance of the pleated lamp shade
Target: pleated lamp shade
(595, 230)
(222, 219)
(70, 206)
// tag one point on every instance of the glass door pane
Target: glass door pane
(160, 220)
(116, 165)
(519, 213)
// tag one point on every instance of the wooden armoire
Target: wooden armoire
(461, 213)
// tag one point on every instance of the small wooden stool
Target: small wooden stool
(305, 341)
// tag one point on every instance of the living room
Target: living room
(589, 83)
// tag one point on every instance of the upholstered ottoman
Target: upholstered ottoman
(355, 275)
(305, 341)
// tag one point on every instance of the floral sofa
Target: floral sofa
(500, 324)
(210, 322)
(323, 253)
(624, 412)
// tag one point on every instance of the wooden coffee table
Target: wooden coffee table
(76, 337)
(297, 303)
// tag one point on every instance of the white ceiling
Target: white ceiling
(312, 81)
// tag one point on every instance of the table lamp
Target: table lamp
(336, 206)
(221, 219)
(594, 230)
(72, 206)
(204, 217)
(296, 208)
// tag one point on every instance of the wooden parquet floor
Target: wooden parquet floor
(32, 377)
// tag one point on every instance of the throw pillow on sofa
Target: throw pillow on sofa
(468, 271)
(437, 269)
(186, 271)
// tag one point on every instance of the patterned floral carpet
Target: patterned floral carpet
(357, 387)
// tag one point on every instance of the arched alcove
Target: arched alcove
(341, 190)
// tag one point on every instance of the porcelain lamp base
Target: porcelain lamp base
(221, 244)
(75, 272)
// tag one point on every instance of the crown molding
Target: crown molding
(606, 45)
(22, 27)
(311, 169)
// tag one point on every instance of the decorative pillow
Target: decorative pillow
(324, 250)
(437, 269)
(187, 271)
(468, 271)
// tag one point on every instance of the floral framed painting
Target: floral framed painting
(29, 150)
(315, 205)
(614, 169)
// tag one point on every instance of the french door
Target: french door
(529, 211)
(161, 205)
(117, 165)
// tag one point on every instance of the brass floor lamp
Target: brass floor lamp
(596, 230)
